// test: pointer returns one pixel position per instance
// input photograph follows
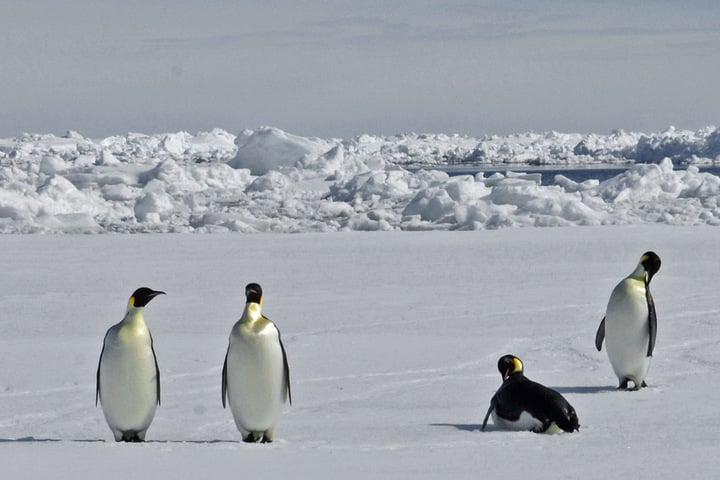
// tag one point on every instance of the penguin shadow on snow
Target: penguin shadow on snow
(465, 427)
(28, 440)
(586, 389)
(473, 427)
(32, 439)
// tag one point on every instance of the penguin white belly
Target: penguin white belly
(255, 380)
(627, 331)
(128, 382)
(525, 423)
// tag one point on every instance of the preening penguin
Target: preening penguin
(630, 324)
(128, 378)
(255, 376)
(521, 404)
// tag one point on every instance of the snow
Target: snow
(268, 180)
(393, 340)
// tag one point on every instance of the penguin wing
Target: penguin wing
(157, 369)
(493, 404)
(600, 335)
(652, 322)
(97, 375)
(224, 378)
(286, 369)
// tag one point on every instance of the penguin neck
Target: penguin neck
(252, 313)
(639, 274)
(134, 317)
(515, 376)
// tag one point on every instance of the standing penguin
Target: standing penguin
(128, 378)
(630, 324)
(255, 375)
(524, 405)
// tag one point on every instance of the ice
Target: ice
(268, 180)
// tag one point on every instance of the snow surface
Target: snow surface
(392, 338)
(268, 180)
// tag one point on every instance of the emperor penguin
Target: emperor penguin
(629, 327)
(255, 375)
(523, 405)
(128, 378)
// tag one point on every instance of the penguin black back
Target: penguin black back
(518, 394)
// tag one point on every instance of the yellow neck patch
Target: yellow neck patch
(517, 365)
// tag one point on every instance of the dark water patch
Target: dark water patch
(576, 174)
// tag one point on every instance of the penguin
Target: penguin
(523, 405)
(128, 378)
(255, 374)
(629, 327)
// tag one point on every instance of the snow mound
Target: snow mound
(272, 181)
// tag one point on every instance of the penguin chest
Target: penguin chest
(627, 329)
(255, 377)
(128, 379)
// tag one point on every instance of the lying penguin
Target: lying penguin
(523, 405)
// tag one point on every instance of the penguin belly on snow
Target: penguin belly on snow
(523, 405)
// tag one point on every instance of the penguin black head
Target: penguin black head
(253, 293)
(651, 263)
(509, 365)
(143, 295)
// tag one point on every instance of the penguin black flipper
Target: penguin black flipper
(224, 379)
(97, 376)
(286, 369)
(493, 401)
(652, 321)
(600, 335)
(157, 369)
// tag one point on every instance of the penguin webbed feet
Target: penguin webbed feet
(262, 438)
(568, 425)
(131, 437)
(625, 385)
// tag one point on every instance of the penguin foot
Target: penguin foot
(625, 385)
(251, 438)
(131, 437)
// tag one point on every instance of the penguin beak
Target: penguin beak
(507, 373)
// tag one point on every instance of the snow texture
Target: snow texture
(267, 180)
(393, 341)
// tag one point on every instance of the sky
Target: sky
(343, 68)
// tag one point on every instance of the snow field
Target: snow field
(392, 338)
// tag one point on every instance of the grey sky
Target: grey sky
(342, 68)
